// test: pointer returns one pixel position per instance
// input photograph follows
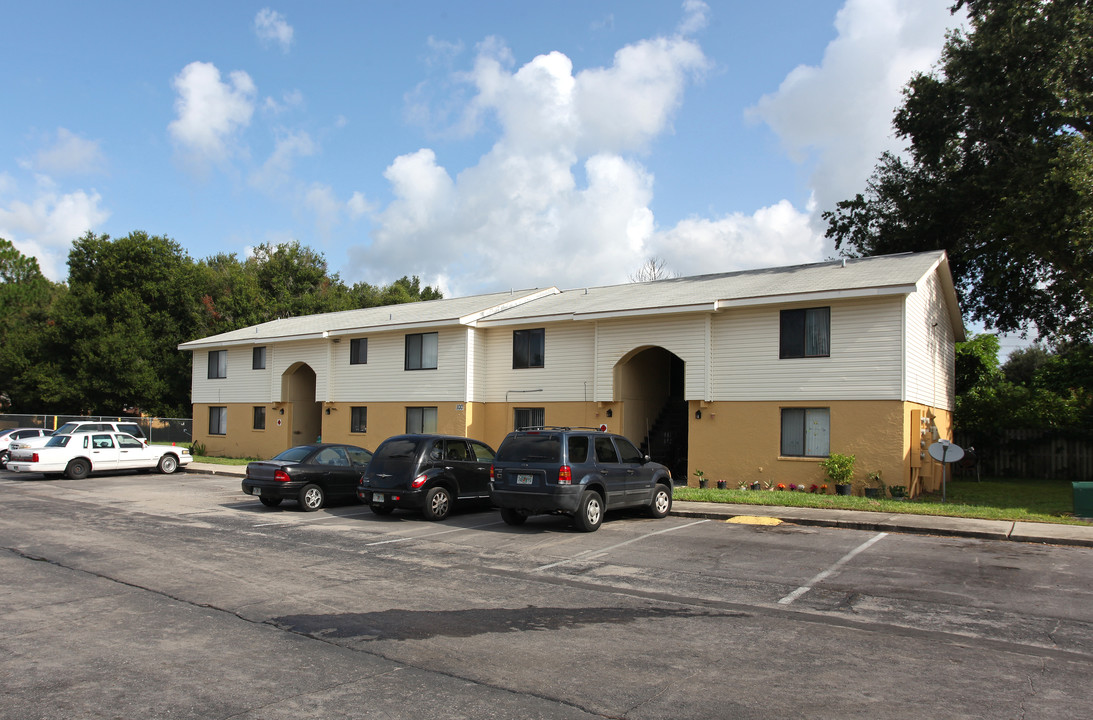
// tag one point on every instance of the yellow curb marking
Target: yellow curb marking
(753, 520)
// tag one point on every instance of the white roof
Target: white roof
(859, 277)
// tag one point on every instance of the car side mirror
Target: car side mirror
(645, 459)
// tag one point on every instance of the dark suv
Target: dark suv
(426, 472)
(580, 472)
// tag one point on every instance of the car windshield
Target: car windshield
(296, 454)
(394, 456)
(530, 448)
(58, 441)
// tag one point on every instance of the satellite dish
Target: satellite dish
(945, 452)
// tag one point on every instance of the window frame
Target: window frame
(218, 413)
(218, 364)
(794, 332)
(524, 344)
(530, 412)
(259, 417)
(807, 415)
(422, 427)
(355, 415)
(358, 351)
(416, 357)
(258, 358)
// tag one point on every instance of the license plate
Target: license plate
(256, 491)
(525, 479)
(377, 497)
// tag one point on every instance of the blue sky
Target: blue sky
(482, 146)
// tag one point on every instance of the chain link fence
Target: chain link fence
(158, 430)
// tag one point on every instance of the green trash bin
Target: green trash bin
(1083, 499)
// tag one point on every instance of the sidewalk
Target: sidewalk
(1045, 533)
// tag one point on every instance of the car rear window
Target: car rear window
(394, 457)
(58, 441)
(295, 454)
(531, 448)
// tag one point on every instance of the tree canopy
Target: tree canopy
(999, 168)
(107, 342)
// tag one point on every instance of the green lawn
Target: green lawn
(995, 499)
(1026, 500)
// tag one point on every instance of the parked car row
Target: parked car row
(580, 472)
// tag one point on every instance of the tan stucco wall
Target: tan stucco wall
(733, 441)
(740, 442)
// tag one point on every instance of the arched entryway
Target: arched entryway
(649, 382)
(305, 419)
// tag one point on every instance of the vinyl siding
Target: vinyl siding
(241, 385)
(384, 377)
(565, 377)
(313, 353)
(683, 335)
(930, 347)
(865, 360)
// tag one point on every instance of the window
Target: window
(628, 452)
(805, 333)
(528, 348)
(605, 451)
(124, 441)
(358, 351)
(259, 417)
(481, 452)
(218, 364)
(421, 351)
(258, 359)
(358, 419)
(528, 418)
(806, 432)
(218, 421)
(421, 419)
(335, 456)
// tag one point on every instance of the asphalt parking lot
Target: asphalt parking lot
(178, 596)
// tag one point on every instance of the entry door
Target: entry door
(613, 473)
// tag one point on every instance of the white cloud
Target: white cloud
(839, 114)
(521, 216)
(45, 225)
(277, 170)
(70, 154)
(696, 15)
(210, 112)
(270, 27)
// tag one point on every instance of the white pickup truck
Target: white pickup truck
(79, 454)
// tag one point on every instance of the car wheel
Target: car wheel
(167, 464)
(438, 503)
(78, 469)
(312, 498)
(381, 509)
(4, 454)
(513, 517)
(662, 502)
(270, 501)
(590, 513)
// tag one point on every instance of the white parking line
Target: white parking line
(591, 554)
(827, 573)
(422, 537)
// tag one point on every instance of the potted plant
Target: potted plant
(722, 484)
(701, 478)
(840, 470)
(876, 486)
(898, 491)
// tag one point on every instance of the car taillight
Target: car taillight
(493, 474)
(281, 476)
(565, 475)
(34, 457)
(419, 481)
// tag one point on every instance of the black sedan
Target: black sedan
(309, 474)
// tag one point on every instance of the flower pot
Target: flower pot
(898, 491)
(756, 486)
(873, 493)
(843, 489)
(722, 484)
(702, 482)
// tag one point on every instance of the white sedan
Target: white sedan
(79, 454)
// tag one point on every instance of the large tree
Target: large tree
(25, 299)
(998, 170)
